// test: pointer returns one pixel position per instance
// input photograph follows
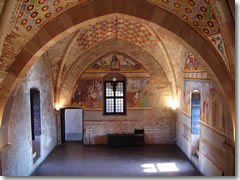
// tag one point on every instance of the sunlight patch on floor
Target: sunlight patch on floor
(160, 167)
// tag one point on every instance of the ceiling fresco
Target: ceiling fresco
(200, 15)
(29, 16)
(34, 14)
(115, 28)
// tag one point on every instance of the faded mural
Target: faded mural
(192, 64)
(137, 93)
(194, 70)
(88, 94)
(196, 78)
(211, 111)
(115, 62)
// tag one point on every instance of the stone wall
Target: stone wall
(18, 160)
(216, 144)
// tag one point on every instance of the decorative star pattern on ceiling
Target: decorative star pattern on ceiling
(29, 16)
(115, 28)
(32, 15)
(200, 15)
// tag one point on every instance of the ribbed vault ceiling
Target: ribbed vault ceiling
(30, 16)
(114, 28)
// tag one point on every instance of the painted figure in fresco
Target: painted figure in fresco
(76, 97)
(103, 63)
(131, 92)
(137, 94)
(99, 89)
(188, 89)
(213, 106)
(88, 93)
(94, 93)
(80, 97)
(195, 64)
(130, 99)
(205, 109)
(192, 63)
(123, 62)
(185, 97)
(146, 96)
(83, 97)
(115, 64)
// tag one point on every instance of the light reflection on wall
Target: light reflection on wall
(172, 102)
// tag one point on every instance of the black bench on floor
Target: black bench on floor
(121, 139)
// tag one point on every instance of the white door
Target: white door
(73, 125)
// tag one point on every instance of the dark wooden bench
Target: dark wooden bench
(139, 136)
(121, 139)
(126, 139)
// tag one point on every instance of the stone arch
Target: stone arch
(68, 21)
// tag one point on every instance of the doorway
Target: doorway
(72, 124)
(35, 123)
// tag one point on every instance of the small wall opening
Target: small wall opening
(35, 123)
(195, 122)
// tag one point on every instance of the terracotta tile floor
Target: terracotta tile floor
(75, 159)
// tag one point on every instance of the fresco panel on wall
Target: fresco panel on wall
(137, 93)
(211, 106)
(88, 94)
(115, 61)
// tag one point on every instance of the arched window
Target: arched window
(114, 94)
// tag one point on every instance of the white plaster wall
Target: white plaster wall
(18, 160)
